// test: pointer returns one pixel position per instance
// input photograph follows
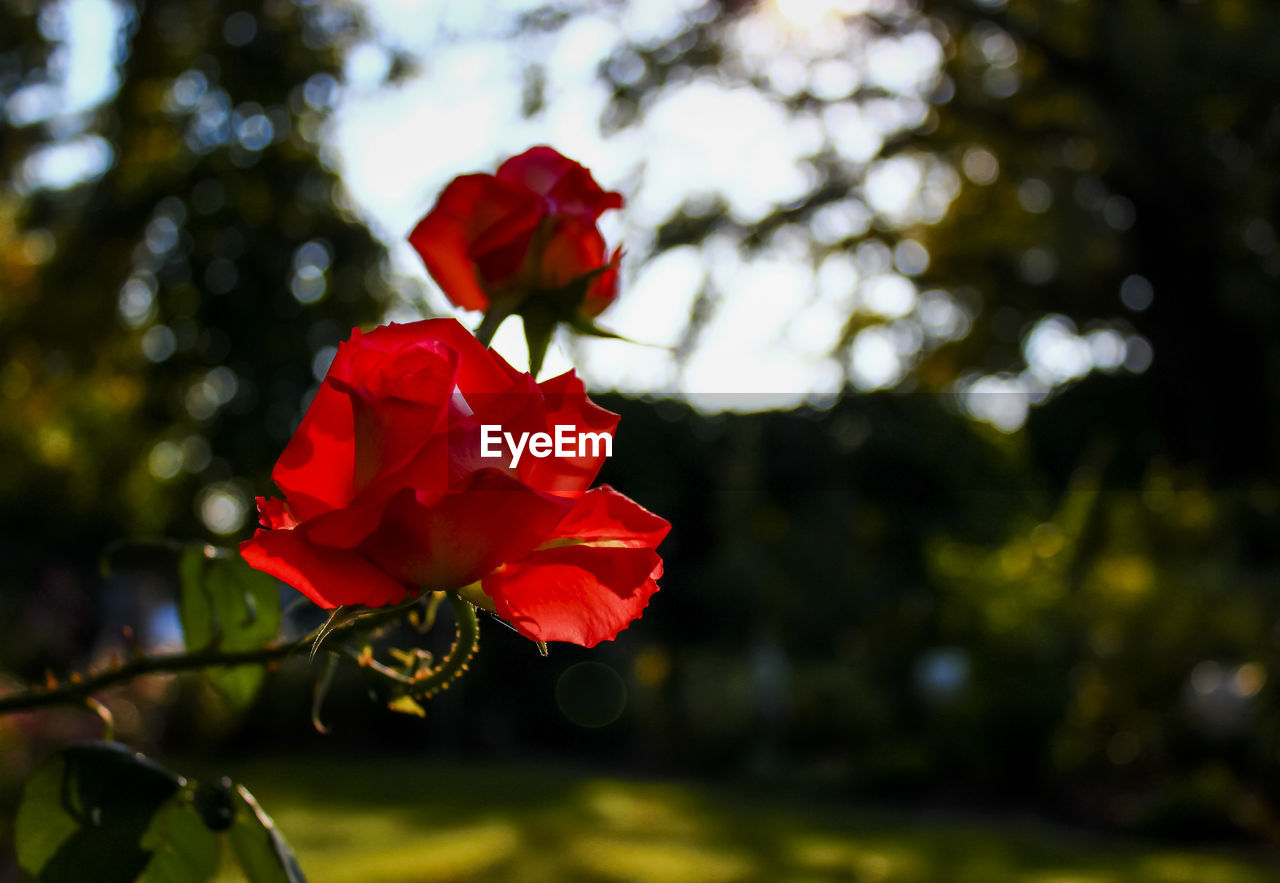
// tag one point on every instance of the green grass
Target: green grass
(415, 822)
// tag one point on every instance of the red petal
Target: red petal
(567, 404)
(476, 216)
(275, 514)
(480, 370)
(317, 469)
(453, 541)
(574, 248)
(604, 290)
(603, 514)
(329, 577)
(580, 594)
(539, 408)
(566, 185)
(399, 405)
(521, 410)
(587, 592)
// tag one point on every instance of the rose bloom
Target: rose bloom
(386, 493)
(529, 228)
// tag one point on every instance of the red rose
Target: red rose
(388, 491)
(529, 228)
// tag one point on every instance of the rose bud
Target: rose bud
(523, 241)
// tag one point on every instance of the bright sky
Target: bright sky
(775, 318)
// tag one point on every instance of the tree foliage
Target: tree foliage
(1109, 164)
(1081, 610)
(161, 319)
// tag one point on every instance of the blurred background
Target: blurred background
(962, 403)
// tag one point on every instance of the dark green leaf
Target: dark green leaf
(183, 849)
(264, 855)
(227, 605)
(42, 825)
(585, 326)
(214, 804)
(89, 806)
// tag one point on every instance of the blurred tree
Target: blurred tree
(1092, 226)
(1108, 170)
(1092, 215)
(1136, 148)
(175, 263)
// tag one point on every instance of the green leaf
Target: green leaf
(89, 807)
(42, 826)
(183, 849)
(583, 325)
(227, 605)
(264, 855)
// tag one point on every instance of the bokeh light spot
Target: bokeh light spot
(591, 694)
(223, 509)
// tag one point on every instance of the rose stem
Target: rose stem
(76, 691)
(461, 653)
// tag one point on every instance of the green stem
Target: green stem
(366, 661)
(460, 654)
(495, 316)
(77, 690)
(431, 681)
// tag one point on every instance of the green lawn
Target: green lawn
(415, 822)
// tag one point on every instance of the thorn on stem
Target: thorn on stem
(131, 641)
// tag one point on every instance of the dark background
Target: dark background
(883, 598)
